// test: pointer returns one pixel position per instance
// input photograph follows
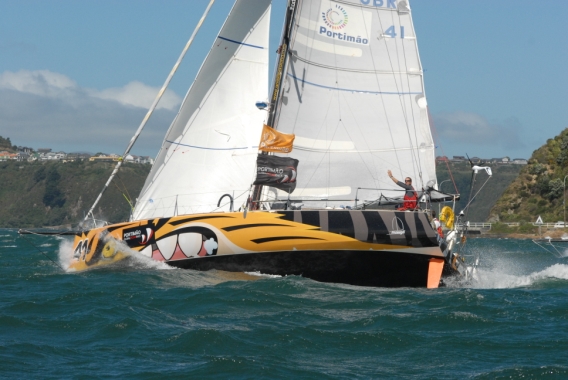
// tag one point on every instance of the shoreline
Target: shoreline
(554, 234)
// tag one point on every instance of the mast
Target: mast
(282, 62)
(151, 110)
(278, 78)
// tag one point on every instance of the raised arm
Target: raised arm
(391, 177)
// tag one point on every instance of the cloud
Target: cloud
(43, 83)
(137, 94)
(54, 85)
(47, 109)
(470, 129)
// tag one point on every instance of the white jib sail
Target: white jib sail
(354, 97)
(210, 149)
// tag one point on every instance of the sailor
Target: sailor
(410, 196)
(437, 225)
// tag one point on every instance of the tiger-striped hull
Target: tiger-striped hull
(368, 248)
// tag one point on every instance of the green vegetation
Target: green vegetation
(502, 228)
(6, 144)
(53, 197)
(524, 228)
(538, 190)
(461, 175)
(37, 194)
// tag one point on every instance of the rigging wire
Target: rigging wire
(415, 161)
(384, 108)
(129, 198)
(435, 132)
(123, 191)
(407, 76)
(40, 251)
(466, 208)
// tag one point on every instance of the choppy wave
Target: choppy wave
(139, 321)
(263, 275)
(488, 279)
(484, 278)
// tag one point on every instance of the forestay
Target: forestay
(354, 97)
(211, 147)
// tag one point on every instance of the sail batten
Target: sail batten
(240, 43)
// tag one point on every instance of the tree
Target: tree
(53, 197)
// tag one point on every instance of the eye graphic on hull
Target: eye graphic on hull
(210, 246)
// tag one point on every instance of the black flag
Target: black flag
(278, 172)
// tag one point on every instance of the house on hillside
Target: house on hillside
(25, 149)
(34, 157)
(77, 157)
(104, 159)
(519, 161)
(499, 160)
(145, 160)
(22, 156)
(138, 159)
(5, 156)
(52, 156)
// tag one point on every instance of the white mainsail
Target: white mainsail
(210, 148)
(353, 94)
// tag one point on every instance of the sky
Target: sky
(79, 75)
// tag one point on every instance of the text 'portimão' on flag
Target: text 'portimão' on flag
(273, 141)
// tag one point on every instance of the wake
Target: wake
(493, 279)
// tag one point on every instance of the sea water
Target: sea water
(143, 319)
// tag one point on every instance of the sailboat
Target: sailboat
(349, 90)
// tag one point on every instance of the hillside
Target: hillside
(37, 194)
(480, 207)
(539, 188)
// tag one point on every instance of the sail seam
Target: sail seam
(204, 147)
(355, 70)
(352, 90)
(355, 150)
(240, 43)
